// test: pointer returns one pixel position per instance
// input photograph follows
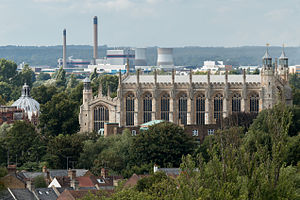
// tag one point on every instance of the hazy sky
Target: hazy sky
(143, 23)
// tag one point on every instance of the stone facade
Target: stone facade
(185, 99)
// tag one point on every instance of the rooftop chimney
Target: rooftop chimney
(64, 48)
(11, 169)
(72, 174)
(95, 39)
(104, 172)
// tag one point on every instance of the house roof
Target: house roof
(132, 181)
(31, 175)
(22, 194)
(169, 171)
(64, 181)
(77, 194)
(46, 194)
(64, 172)
(5, 195)
(195, 79)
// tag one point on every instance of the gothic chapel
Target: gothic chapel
(185, 99)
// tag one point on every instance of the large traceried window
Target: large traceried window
(165, 107)
(218, 107)
(182, 108)
(130, 110)
(147, 107)
(236, 103)
(200, 109)
(254, 103)
(101, 115)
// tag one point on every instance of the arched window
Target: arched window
(218, 107)
(182, 107)
(165, 107)
(147, 105)
(236, 103)
(254, 103)
(130, 110)
(200, 109)
(101, 115)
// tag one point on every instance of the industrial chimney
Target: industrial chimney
(64, 48)
(140, 57)
(95, 39)
(165, 57)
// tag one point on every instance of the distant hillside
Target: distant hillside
(247, 55)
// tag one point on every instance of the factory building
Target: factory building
(185, 99)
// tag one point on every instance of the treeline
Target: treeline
(183, 56)
(261, 163)
(242, 161)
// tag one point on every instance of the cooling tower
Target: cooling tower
(140, 57)
(164, 56)
(64, 48)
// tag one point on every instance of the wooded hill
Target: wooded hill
(188, 56)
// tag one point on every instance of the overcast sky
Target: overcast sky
(164, 23)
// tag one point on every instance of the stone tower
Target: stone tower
(267, 81)
(87, 90)
(283, 66)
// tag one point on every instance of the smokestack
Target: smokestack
(64, 48)
(95, 39)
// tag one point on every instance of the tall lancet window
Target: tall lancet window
(165, 107)
(182, 108)
(130, 110)
(236, 103)
(101, 115)
(147, 107)
(218, 107)
(254, 103)
(200, 109)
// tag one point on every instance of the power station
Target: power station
(116, 59)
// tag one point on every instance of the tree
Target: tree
(43, 76)
(72, 83)
(27, 76)
(61, 77)
(94, 75)
(43, 94)
(162, 144)
(24, 143)
(63, 148)
(5, 91)
(39, 182)
(8, 70)
(58, 116)
(107, 81)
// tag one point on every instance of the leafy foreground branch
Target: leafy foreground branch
(240, 166)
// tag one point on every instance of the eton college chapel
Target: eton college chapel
(185, 99)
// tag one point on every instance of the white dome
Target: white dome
(28, 104)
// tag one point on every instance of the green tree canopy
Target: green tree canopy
(8, 70)
(61, 77)
(43, 76)
(61, 147)
(162, 144)
(59, 116)
(24, 143)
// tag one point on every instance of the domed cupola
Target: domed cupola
(25, 102)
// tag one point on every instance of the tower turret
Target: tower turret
(87, 90)
(267, 60)
(268, 81)
(283, 65)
